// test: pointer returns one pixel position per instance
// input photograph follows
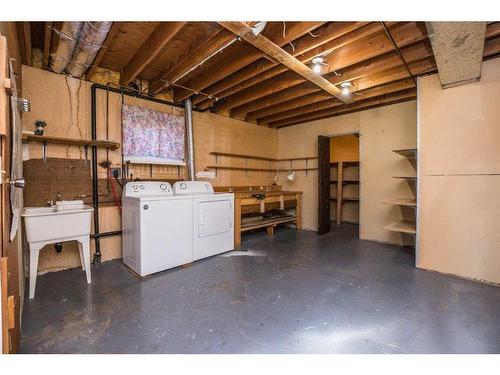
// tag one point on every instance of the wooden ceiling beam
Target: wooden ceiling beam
(364, 49)
(385, 89)
(382, 72)
(263, 69)
(404, 33)
(47, 38)
(233, 59)
(158, 39)
(113, 31)
(24, 35)
(268, 47)
(213, 44)
(394, 98)
(492, 47)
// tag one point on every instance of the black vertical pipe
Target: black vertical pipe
(95, 180)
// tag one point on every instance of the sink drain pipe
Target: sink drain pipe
(95, 181)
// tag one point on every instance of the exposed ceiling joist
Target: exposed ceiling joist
(392, 98)
(458, 49)
(115, 28)
(24, 35)
(160, 36)
(276, 52)
(213, 44)
(397, 86)
(368, 47)
(46, 44)
(263, 69)
(238, 58)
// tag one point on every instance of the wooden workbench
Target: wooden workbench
(250, 201)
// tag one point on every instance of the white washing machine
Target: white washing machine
(213, 216)
(157, 227)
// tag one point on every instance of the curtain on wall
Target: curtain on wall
(152, 137)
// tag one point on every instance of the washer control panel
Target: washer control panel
(193, 187)
(147, 188)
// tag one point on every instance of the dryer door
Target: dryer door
(214, 231)
(215, 217)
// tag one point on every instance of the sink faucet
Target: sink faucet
(52, 203)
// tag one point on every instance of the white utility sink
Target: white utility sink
(67, 221)
(55, 225)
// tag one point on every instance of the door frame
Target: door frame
(360, 135)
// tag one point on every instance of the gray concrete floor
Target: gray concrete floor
(295, 292)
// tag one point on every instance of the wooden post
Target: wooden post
(340, 175)
(270, 230)
(237, 223)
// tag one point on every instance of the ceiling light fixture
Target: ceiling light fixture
(346, 88)
(316, 64)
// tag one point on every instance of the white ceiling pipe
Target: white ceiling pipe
(65, 41)
(90, 40)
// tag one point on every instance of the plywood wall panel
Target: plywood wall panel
(461, 133)
(460, 176)
(459, 226)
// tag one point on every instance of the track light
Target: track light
(316, 64)
(346, 88)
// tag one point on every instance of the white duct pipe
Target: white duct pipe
(188, 115)
(65, 41)
(90, 40)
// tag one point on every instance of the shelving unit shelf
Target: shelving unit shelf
(405, 226)
(409, 153)
(341, 182)
(403, 202)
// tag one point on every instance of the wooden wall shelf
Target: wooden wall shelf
(255, 157)
(230, 168)
(70, 141)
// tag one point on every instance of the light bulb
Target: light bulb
(345, 91)
(317, 68)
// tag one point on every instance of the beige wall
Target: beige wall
(64, 103)
(459, 176)
(381, 130)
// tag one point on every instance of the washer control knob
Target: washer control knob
(183, 186)
(142, 187)
(145, 206)
(135, 187)
(163, 187)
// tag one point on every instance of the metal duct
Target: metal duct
(65, 41)
(90, 40)
(188, 113)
